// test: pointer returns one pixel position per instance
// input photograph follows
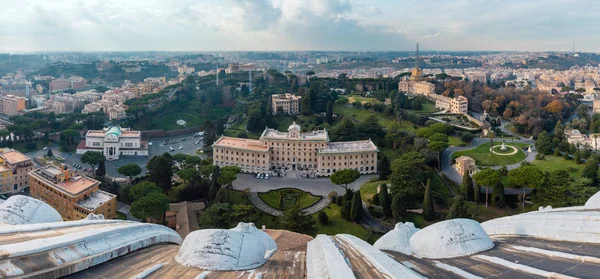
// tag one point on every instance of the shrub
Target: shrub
(467, 137)
(332, 195)
(540, 156)
(30, 145)
(338, 200)
(375, 199)
(323, 218)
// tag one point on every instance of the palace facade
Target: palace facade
(294, 150)
(114, 142)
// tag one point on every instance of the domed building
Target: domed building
(113, 142)
(548, 243)
(308, 152)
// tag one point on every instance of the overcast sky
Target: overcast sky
(215, 25)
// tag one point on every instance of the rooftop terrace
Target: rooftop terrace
(241, 144)
(95, 200)
(349, 146)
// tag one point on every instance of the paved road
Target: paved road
(315, 186)
(449, 171)
(111, 166)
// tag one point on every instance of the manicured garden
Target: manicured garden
(168, 121)
(286, 198)
(483, 156)
(551, 163)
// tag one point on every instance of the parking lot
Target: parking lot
(181, 144)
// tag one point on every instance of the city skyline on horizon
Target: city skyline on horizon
(290, 25)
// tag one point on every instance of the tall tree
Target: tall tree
(346, 204)
(142, 189)
(50, 154)
(130, 170)
(161, 171)
(458, 209)
(228, 176)
(498, 198)
(466, 188)
(345, 131)
(101, 170)
(407, 174)
(153, 205)
(46, 137)
(356, 209)
(590, 170)
(344, 177)
(428, 209)
(92, 158)
(559, 130)
(476, 193)
(384, 168)
(329, 113)
(385, 200)
(488, 178)
(526, 176)
(294, 220)
(398, 206)
(544, 143)
(219, 129)
(214, 183)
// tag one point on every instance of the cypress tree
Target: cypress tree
(329, 113)
(398, 208)
(466, 188)
(346, 204)
(428, 210)
(458, 209)
(385, 200)
(356, 209)
(384, 168)
(476, 192)
(498, 198)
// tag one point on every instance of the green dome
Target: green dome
(114, 131)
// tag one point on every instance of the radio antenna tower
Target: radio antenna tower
(417, 57)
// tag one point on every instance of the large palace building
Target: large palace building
(294, 150)
(114, 142)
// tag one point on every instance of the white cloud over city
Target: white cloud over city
(370, 25)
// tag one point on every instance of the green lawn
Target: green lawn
(456, 141)
(483, 156)
(437, 185)
(363, 100)
(168, 121)
(276, 200)
(338, 225)
(428, 107)
(551, 163)
(20, 146)
(369, 189)
(239, 127)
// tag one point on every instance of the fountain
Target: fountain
(503, 148)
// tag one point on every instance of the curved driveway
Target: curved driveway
(448, 170)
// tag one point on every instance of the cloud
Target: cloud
(212, 25)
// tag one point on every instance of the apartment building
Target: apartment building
(12, 105)
(73, 195)
(285, 103)
(14, 167)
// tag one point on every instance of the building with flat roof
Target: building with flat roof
(114, 142)
(285, 104)
(458, 105)
(73, 195)
(293, 150)
(12, 105)
(14, 167)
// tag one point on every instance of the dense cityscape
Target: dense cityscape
(412, 162)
